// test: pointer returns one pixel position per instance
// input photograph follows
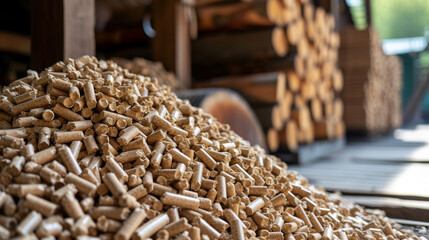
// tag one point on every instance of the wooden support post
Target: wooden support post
(61, 29)
(171, 45)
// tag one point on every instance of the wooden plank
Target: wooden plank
(394, 207)
(15, 43)
(61, 29)
(411, 222)
(405, 180)
(171, 44)
(312, 152)
(394, 154)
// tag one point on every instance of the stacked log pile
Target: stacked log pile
(372, 83)
(282, 57)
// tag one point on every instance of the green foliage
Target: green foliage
(400, 18)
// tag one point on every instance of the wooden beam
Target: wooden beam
(15, 43)
(61, 29)
(171, 45)
(395, 207)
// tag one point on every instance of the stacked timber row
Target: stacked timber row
(373, 100)
(282, 57)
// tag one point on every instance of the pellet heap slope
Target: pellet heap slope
(89, 149)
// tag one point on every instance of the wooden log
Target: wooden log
(295, 31)
(294, 7)
(324, 129)
(15, 43)
(299, 66)
(237, 46)
(234, 15)
(310, 29)
(328, 109)
(308, 90)
(316, 109)
(327, 69)
(302, 117)
(312, 73)
(293, 81)
(308, 134)
(203, 3)
(207, 70)
(228, 107)
(272, 140)
(279, 41)
(337, 80)
(340, 129)
(303, 47)
(276, 12)
(298, 102)
(288, 136)
(269, 116)
(285, 106)
(338, 109)
(256, 88)
(308, 12)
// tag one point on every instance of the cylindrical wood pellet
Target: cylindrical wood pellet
(29, 223)
(40, 205)
(131, 224)
(180, 200)
(69, 160)
(151, 227)
(71, 206)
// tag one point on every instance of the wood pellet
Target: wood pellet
(92, 151)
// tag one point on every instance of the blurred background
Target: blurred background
(336, 88)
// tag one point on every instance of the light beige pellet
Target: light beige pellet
(69, 160)
(40, 205)
(151, 227)
(254, 206)
(35, 103)
(177, 227)
(237, 231)
(67, 113)
(131, 224)
(180, 200)
(84, 186)
(44, 156)
(29, 223)
(66, 137)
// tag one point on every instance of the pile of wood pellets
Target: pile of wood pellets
(92, 151)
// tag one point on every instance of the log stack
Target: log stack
(282, 57)
(372, 83)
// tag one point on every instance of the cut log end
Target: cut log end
(272, 140)
(279, 41)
